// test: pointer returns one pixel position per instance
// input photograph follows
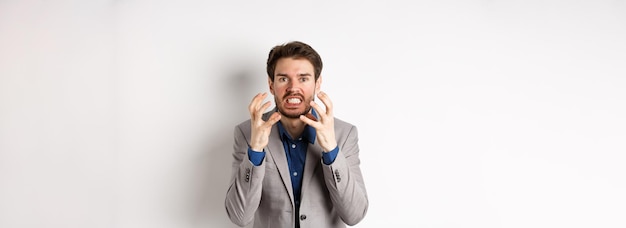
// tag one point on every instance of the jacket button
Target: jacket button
(247, 175)
(302, 217)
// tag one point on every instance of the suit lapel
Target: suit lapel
(276, 148)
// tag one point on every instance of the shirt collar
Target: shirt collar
(309, 133)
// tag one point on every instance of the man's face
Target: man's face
(294, 86)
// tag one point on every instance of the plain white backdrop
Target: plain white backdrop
(120, 114)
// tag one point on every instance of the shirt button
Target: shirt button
(302, 217)
(293, 145)
(295, 174)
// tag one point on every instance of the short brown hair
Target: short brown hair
(294, 49)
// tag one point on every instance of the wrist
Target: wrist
(329, 147)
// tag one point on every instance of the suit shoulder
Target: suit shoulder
(342, 124)
(244, 125)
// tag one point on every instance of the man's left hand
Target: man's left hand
(325, 125)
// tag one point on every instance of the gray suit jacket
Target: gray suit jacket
(332, 195)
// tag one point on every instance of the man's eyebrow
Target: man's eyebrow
(304, 74)
(281, 74)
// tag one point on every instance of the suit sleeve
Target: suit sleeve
(244, 194)
(345, 182)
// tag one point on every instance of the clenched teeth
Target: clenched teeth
(293, 101)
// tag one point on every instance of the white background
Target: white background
(470, 113)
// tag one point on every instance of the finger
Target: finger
(260, 100)
(318, 110)
(254, 104)
(310, 122)
(275, 117)
(326, 100)
(311, 116)
(260, 111)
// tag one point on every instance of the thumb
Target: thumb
(307, 120)
(310, 116)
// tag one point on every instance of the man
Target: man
(296, 165)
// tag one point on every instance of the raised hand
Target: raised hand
(325, 125)
(260, 128)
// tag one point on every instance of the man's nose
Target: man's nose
(291, 85)
(292, 88)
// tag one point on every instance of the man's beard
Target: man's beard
(294, 116)
(307, 108)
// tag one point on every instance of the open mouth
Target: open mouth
(294, 100)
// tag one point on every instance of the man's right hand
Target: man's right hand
(260, 129)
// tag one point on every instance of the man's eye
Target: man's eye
(304, 79)
(282, 79)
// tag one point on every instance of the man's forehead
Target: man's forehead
(294, 67)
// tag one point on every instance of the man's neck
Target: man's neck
(293, 126)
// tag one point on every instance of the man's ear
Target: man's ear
(271, 85)
(318, 84)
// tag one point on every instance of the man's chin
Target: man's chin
(293, 114)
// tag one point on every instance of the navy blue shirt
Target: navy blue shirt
(295, 150)
(296, 155)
